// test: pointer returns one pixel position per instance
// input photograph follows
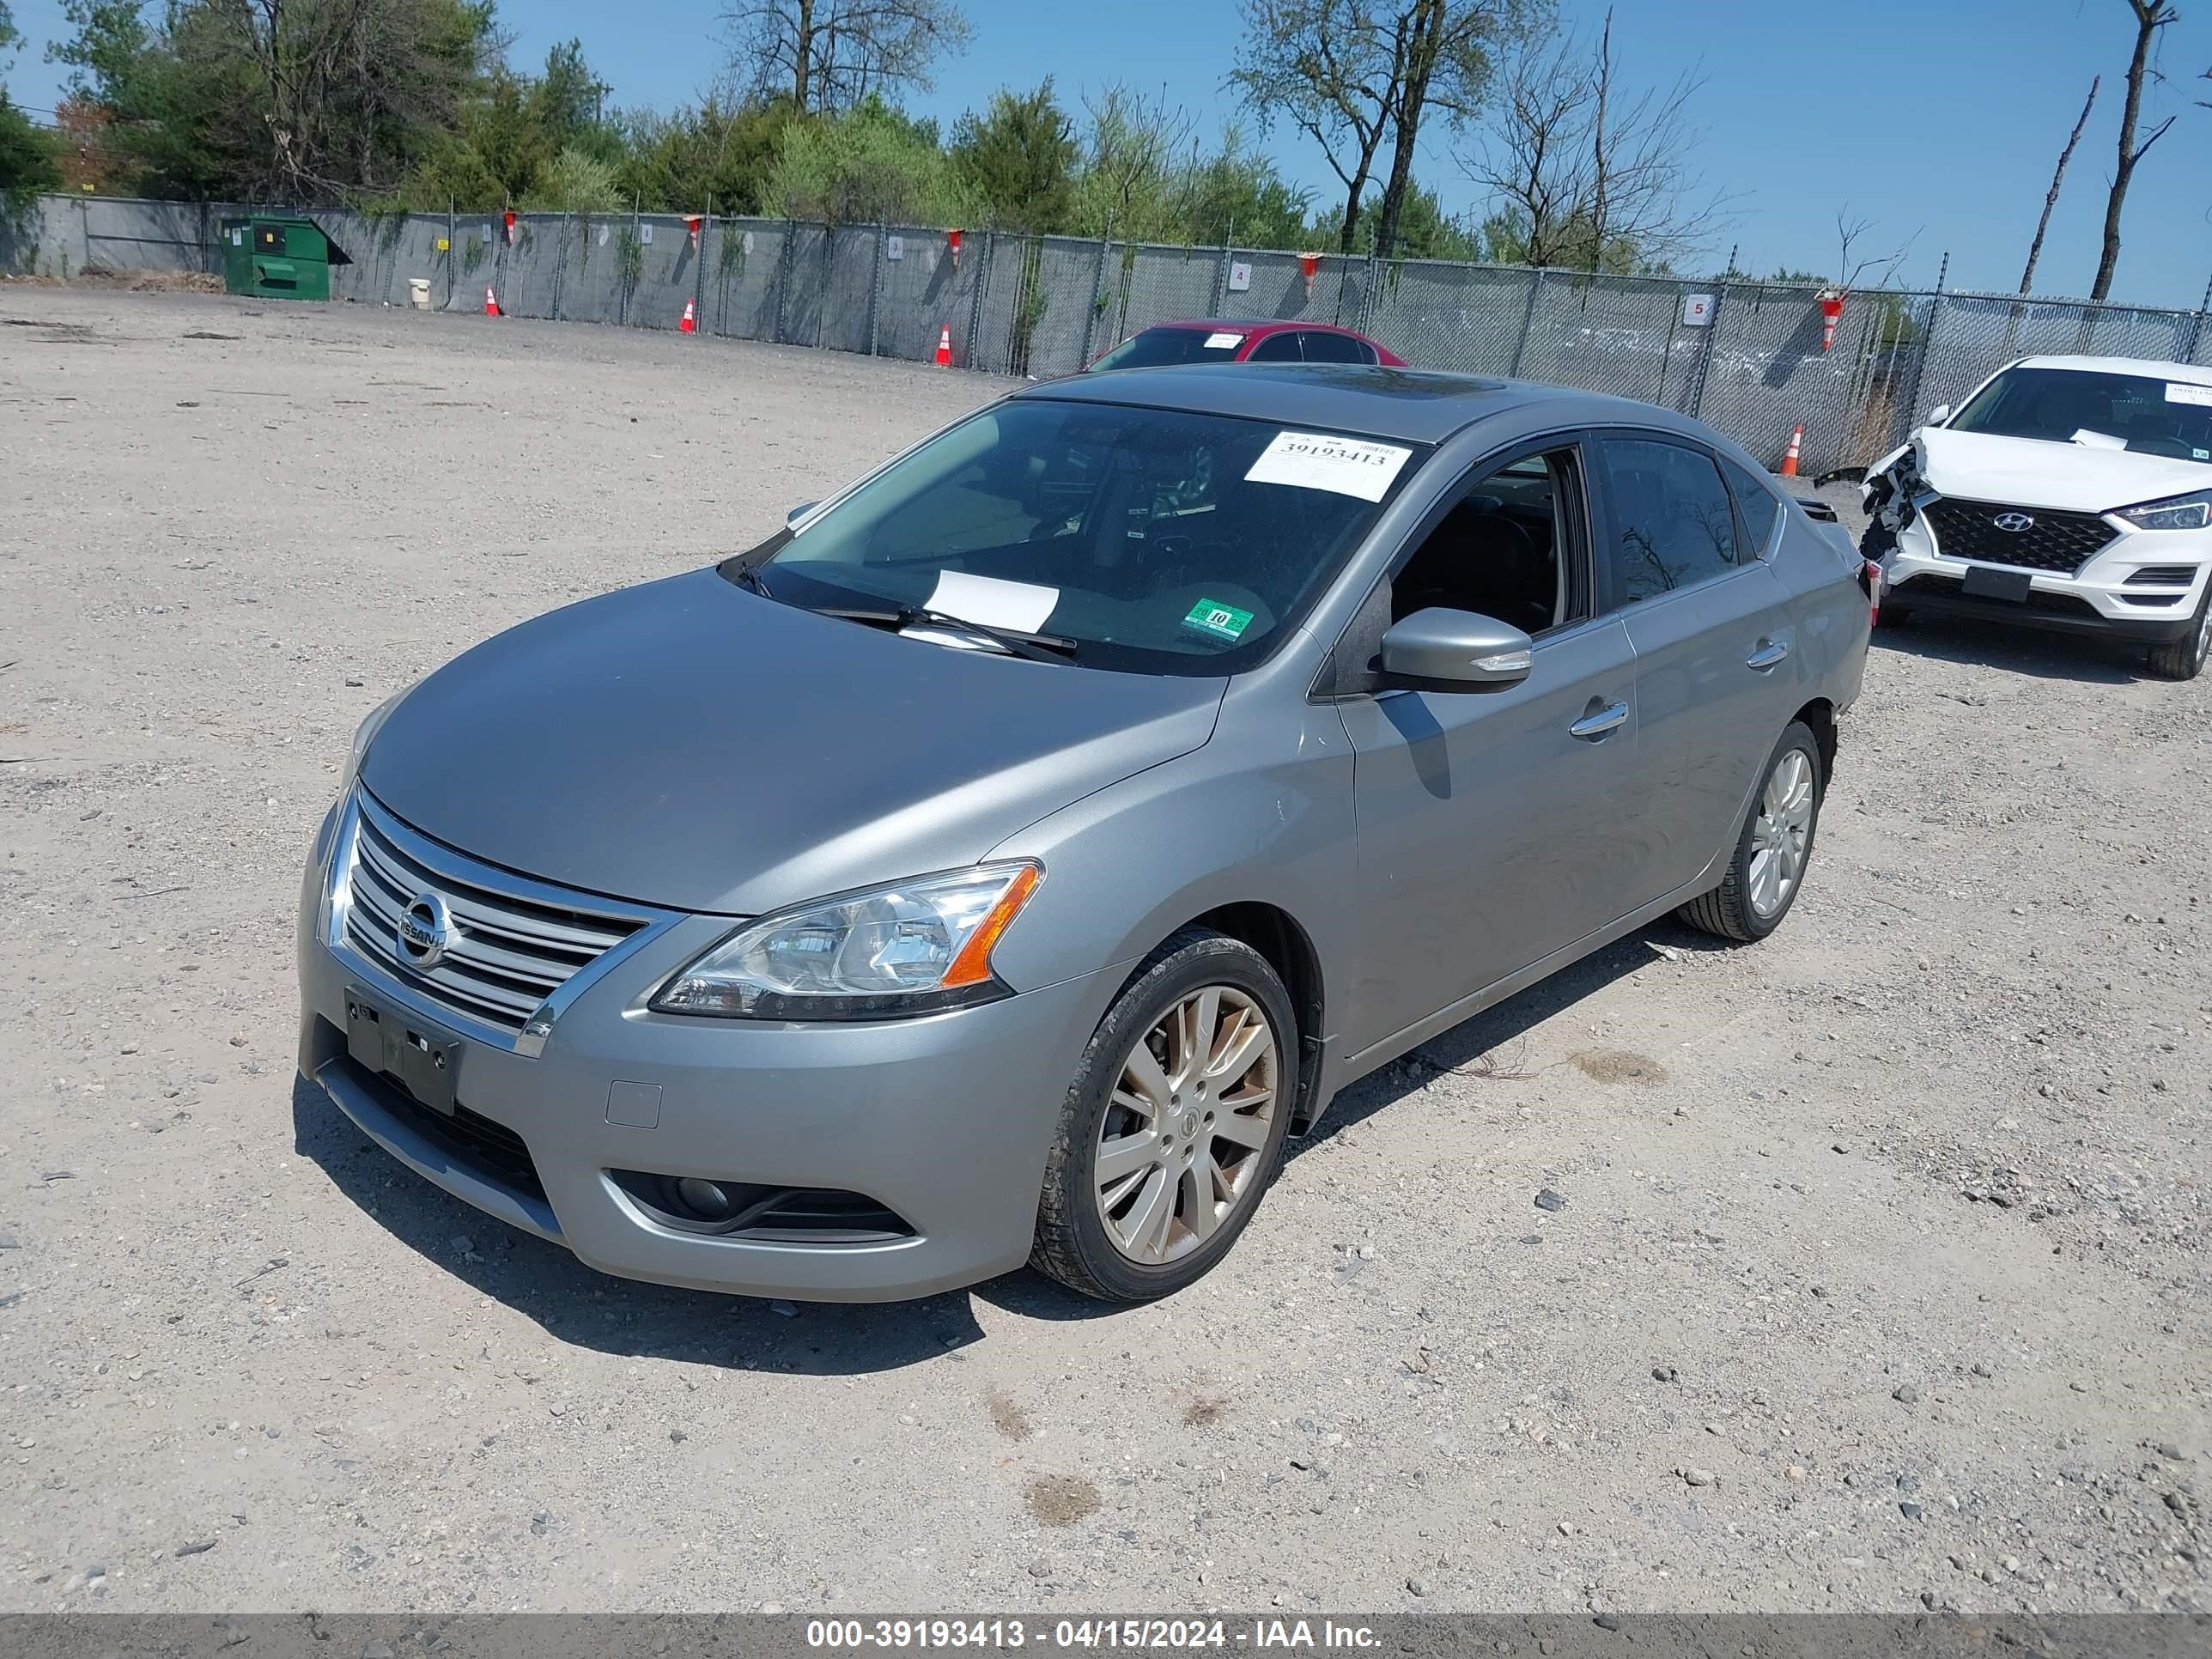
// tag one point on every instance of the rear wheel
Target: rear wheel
(2183, 659)
(1174, 1126)
(1773, 849)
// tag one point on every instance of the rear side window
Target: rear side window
(1672, 524)
(1336, 348)
(1756, 506)
(1275, 349)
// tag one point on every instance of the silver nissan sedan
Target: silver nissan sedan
(998, 863)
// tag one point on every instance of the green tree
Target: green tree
(1234, 195)
(828, 57)
(874, 165)
(102, 56)
(680, 161)
(575, 182)
(1425, 231)
(26, 160)
(1019, 160)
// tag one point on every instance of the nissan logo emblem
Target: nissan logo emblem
(2015, 522)
(425, 929)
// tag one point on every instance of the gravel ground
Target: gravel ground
(1879, 1281)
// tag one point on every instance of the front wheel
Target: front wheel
(1773, 849)
(2183, 659)
(1174, 1126)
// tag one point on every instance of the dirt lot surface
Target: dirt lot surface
(1881, 1277)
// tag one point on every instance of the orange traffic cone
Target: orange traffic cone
(491, 306)
(1789, 455)
(945, 347)
(689, 324)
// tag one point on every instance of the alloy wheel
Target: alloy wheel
(1184, 1136)
(1781, 833)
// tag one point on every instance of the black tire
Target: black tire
(2183, 659)
(1728, 910)
(1072, 1243)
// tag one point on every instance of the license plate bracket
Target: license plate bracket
(1987, 582)
(413, 1053)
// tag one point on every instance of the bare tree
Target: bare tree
(2151, 16)
(831, 54)
(1582, 172)
(2058, 178)
(1851, 267)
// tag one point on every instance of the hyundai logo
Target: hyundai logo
(2015, 522)
(425, 929)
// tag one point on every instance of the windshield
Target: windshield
(1153, 540)
(1161, 348)
(2144, 413)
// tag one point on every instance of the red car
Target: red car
(1262, 342)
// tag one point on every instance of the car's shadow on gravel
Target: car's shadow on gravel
(1991, 645)
(576, 1304)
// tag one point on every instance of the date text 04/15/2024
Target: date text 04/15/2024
(1084, 1635)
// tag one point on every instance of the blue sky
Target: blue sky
(1939, 117)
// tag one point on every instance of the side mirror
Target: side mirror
(800, 512)
(1443, 647)
(1938, 414)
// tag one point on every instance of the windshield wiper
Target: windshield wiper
(1035, 647)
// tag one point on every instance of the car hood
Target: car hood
(690, 744)
(2030, 472)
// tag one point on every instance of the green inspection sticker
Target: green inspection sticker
(1222, 621)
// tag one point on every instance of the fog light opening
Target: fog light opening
(707, 1201)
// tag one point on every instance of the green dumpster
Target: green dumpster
(279, 258)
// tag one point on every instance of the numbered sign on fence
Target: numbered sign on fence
(1697, 310)
(1240, 276)
(894, 247)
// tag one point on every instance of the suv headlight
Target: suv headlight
(2175, 512)
(906, 948)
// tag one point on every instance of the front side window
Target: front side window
(1506, 550)
(1323, 347)
(1150, 540)
(1672, 524)
(2142, 412)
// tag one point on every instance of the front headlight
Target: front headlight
(909, 947)
(365, 733)
(2175, 512)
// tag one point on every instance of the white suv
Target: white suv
(2070, 493)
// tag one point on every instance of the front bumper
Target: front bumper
(2109, 594)
(944, 1121)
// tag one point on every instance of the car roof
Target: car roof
(2192, 374)
(1411, 406)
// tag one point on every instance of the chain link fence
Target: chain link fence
(1745, 357)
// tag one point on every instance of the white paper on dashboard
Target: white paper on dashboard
(992, 601)
(1223, 342)
(1314, 460)
(2090, 439)
(2180, 391)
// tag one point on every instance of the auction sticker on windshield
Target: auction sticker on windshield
(2180, 391)
(1314, 460)
(1223, 342)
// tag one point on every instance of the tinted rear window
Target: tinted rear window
(1161, 348)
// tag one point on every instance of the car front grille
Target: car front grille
(505, 955)
(2060, 543)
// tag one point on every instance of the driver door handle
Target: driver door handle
(1768, 655)
(1594, 725)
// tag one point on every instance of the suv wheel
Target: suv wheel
(2185, 659)
(1174, 1126)
(1774, 848)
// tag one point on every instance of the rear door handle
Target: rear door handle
(1768, 655)
(1594, 725)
